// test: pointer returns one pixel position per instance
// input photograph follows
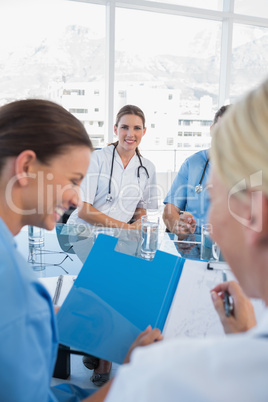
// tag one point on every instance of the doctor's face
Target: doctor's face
(130, 131)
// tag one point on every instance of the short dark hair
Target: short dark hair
(219, 113)
(40, 125)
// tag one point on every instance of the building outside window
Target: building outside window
(93, 62)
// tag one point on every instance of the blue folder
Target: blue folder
(115, 297)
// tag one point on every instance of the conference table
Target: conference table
(66, 248)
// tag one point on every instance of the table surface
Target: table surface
(59, 252)
(60, 244)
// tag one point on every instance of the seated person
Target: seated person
(120, 184)
(56, 159)
(233, 367)
(119, 187)
(40, 177)
(187, 201)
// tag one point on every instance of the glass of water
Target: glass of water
(36, 236)
(216, 252)
(36, 240)
(210, 250)
(149, 236)
(206, 242)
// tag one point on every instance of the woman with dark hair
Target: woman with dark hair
(44, 155)
(120, 184)
(119, 187)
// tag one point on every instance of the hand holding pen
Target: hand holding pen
(242, 316)
(228, 307)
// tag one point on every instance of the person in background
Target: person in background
(233, 367)
(187, 202)
(117, 191)
(120, 184)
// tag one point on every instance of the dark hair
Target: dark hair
(40, 125)
(219, 113)
(129, 109)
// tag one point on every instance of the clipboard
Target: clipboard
(115, 297)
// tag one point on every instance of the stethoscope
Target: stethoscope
(109, 197)
(199, 187)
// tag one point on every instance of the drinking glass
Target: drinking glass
(210, 250)
(36, 236)
(216, 252)
(149, 236)
(206, 242)
(36, 240)
(36, 258)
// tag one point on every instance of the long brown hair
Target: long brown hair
(40, 125)
(129, 109)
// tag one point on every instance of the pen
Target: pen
(58, 290)
(227, 304)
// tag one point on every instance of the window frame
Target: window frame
(226, 16)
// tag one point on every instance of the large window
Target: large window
(257, 8)
(249, 58)
(207, 4)
(179, 60)
(55, 50)
(169, 66)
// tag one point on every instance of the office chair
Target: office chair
(66, 215)
(62, 367)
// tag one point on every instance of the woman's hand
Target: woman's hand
(135, 225)
(243, 317)
(145, 338)
(185, 225)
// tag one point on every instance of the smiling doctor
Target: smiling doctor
(120, 184)
(119, 187)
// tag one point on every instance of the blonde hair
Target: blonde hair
(240, 143)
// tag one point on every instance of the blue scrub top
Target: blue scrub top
(182, 193)
(28, 333)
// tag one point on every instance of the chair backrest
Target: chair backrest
(66, 215)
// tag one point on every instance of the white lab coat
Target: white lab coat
(233, 368)
(128, 191)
